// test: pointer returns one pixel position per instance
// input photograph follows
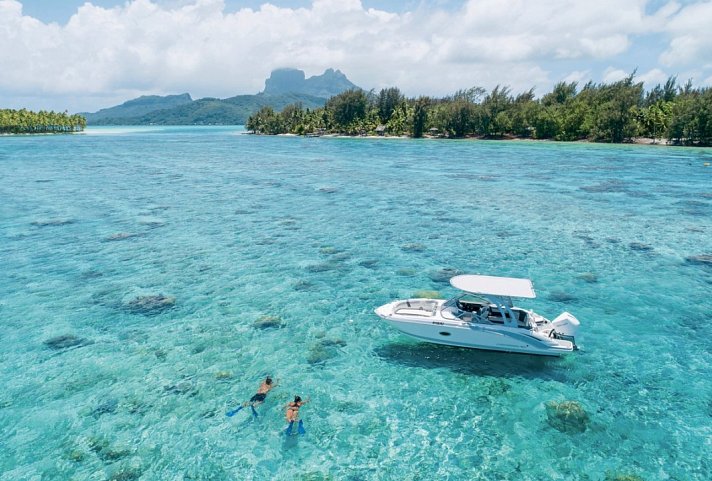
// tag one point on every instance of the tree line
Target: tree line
(27, 122)
(602, 112)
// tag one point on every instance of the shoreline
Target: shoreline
(635, 141)
(7, 134)
(658, 142)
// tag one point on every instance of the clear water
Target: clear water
(319, 232)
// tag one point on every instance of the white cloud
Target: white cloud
(578, 76)
(691, 36)
(611, 75)
(561, 28)
(653, 77)
(661, 17)
(196, 46)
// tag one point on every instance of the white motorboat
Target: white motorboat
(482, 316)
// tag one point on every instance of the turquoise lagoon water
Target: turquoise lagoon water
(316, 233)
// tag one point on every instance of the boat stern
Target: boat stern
(565, 323)
(566, 327)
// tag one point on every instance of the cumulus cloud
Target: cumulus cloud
(558, 28)
(611, 75)
(197, 46)
(653, 77)
(578, 76)
(691, 37)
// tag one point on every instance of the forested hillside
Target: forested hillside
(136, 108)
(282, 88)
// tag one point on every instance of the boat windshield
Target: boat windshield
(468, 302)
(467, 297)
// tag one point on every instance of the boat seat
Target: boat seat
(496, 317)
(415, 312)
(469, 306)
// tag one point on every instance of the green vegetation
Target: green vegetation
(284, 87)
(136, 108)
(182, 110)
(615, 112)
(42, 122)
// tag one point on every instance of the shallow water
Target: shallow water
(317, 233)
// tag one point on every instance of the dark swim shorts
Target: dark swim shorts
(259, 397)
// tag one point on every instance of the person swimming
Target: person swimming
(292, 415)
(262, 391)
(257, 399)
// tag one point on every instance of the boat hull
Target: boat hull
(458, 333)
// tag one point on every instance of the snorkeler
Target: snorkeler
(257, 399)
(292, 415)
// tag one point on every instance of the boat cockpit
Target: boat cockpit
(470, 308)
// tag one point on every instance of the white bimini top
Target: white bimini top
(494, 286)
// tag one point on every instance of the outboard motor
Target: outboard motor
(565, 327)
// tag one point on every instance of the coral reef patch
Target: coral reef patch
(52, 222)
(700, 259)
(426, 294)
(323, 350)
(567, 416)
(150, 304)
(268, 322)
(444, 275)
(561, 296)
(589, 277)
(65, 341)
(640, 247)
(121, 236)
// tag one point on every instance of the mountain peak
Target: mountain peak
(290, 80)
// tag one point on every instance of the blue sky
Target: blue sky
(81, 56)
(60, 10)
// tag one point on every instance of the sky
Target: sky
(82, 56)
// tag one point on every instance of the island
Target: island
(24, 121)
(615, 112)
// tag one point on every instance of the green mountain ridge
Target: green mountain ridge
(284, 87)
(211, 111)
(137, 107)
